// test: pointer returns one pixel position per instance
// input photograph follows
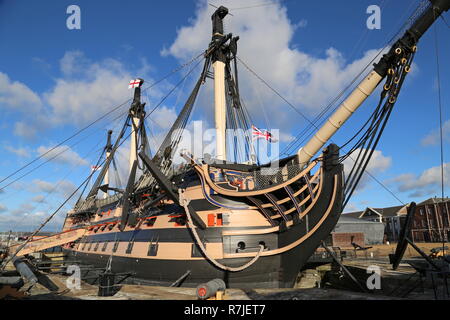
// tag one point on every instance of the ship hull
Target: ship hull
(288, 249)
(277, 271)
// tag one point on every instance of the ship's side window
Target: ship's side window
(196, 251)
(150, 222)
(152, 249)
(130, 247)
(131, 243)
(153, 246)
(84, 245)
(96, 246)
(116, 245)
(90, 246)
(104, 246)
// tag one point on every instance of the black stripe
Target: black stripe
(266, 273)
(178, 234)
(202, 205)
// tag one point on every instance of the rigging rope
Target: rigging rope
(44, 223)
(296, 143)
(184, 203)
(441, 134)
(99, 119)
(49, 193)
(366, 145)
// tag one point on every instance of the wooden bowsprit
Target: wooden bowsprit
(49, 242)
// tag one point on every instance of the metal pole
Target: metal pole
(344, 268)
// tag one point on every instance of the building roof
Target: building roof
(354, 214)
(391, 211)
(384, 212)
(434, 200)
(346, 218)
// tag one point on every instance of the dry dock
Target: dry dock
(325, 281)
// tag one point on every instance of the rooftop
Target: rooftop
(346, 218)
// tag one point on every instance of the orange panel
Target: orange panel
(211, 219)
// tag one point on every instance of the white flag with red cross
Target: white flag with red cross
(134, 83)
(96, 168)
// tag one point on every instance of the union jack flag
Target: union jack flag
(262, 134)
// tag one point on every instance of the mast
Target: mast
(136, 113)
(407, 43)
(219, 59)
(108, 149)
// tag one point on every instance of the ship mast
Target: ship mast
(108, 149)
(136, 112)
(407, 43)
(218, 63)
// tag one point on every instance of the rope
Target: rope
(316, 120)
(184, 203)
(44, 223)
(98, 119)
(369, 140)
(438, 74)
(436, 43)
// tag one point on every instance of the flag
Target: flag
(96, 168)
(134, 83)
(262, 134)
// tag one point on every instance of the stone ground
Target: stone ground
(136, 292)
(337, 287)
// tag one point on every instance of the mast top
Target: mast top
(109, 146)
(217, 20)
(136, 107)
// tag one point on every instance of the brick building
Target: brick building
(431, 221)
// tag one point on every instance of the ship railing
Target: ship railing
(93, 204)
(260, 179)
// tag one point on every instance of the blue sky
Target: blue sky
(54, 81)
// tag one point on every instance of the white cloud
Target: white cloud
(43, 186)
(164, 117)
(89, 90)
(29, 221)
(19, 98)
(62, 154)
(3, 208)
(26, 130)
(377, 164)
(22, 209)
(433, 138)
(265, 44)
(38, 198)
(72, 62)
(16, 95)
(85, 91)
(426, 183)
(21, 152)
(63, 187)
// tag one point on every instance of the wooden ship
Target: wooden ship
(253, 226)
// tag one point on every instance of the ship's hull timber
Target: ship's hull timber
(288, 246)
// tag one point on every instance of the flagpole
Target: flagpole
(108, 149)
